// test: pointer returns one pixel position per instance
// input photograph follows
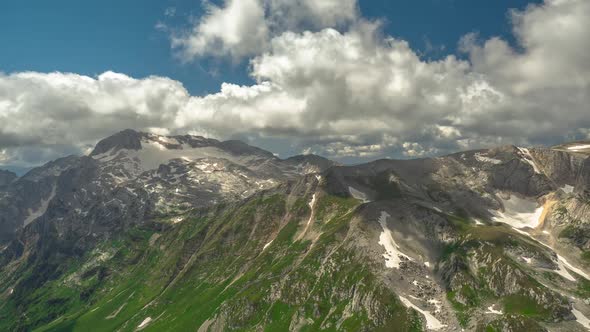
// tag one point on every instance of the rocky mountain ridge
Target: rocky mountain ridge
(185, 233)
(162, 174)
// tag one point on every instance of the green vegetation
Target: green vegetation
(511, 323)
(212, 266)
(464, 307)
(482, 269)
(524, 305)
(568, 232)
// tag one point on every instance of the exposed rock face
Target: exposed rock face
(134, 174)
(189, 233)
(127, 139)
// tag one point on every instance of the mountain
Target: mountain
(132, 175)
(185, 233)
(6, 177)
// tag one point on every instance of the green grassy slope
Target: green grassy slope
(211, 269)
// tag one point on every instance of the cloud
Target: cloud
(331, 87)
(350, 93)
(242, 28)
(170, 12)
(312, 14)
(546, 82)
(44, 116)
(238, 29)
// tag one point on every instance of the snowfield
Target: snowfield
(568, 189)
(579, 147)
(431, 322)
(144, 323)
(311, 215)
(358, 195)
(392, 251)
(519, 213)
(491, 310)
(580, 318)
(485, 159)
(41, 210)
(267, 245)
(528, 158)
(562, 263)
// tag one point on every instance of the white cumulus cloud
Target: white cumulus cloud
(242, 28)
(339, 92)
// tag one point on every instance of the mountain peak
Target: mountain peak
(130, 139)
(126, 139)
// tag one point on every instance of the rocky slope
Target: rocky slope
(130, 175)
(185, 233)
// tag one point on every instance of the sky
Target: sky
(352, 80)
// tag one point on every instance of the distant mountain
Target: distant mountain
(6, 177)
(185, 233)
(133, 174)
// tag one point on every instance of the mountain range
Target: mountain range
(185, 233)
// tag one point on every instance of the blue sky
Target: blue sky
(353, 80)
(91, 37)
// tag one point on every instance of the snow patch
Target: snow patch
(153, 154)
(562, 264)
(106, 156)
(144, 323)
(393, 253)
(580, 318)
(267, 245)
(579, 147)
(519, 213)
(528, 260)
(116, 312)
(431, 322)
(312, 207)
(485, 159)
(437, 209)
(491, 310)
(358, 194)
(41, 210)
(568, 189)
(528, 158)
(427, 264)
(437, 305)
